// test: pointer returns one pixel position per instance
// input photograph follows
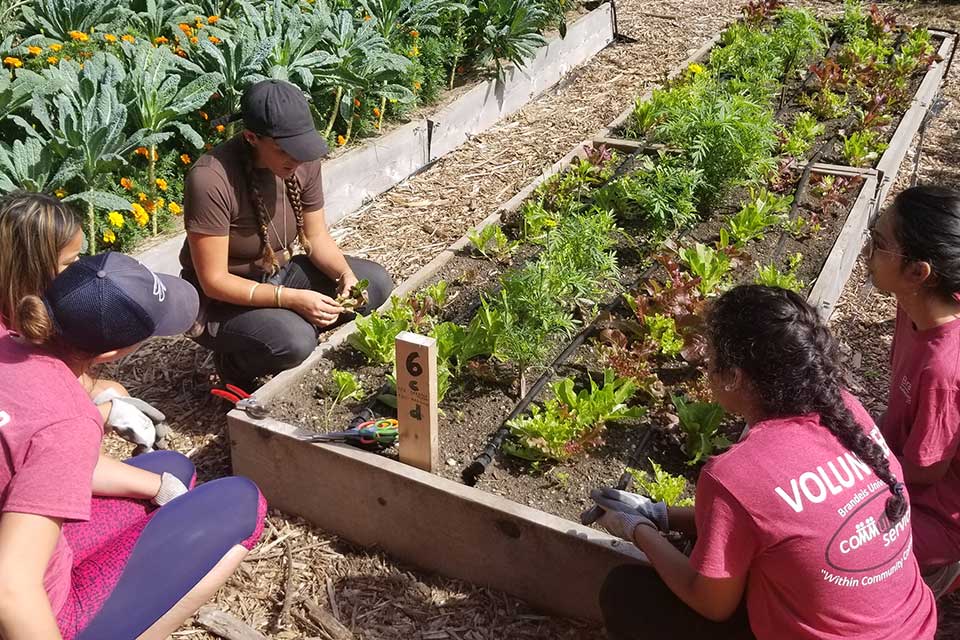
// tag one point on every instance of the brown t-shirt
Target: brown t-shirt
(216, 202)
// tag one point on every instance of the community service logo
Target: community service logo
(866, 540)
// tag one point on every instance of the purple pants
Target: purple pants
(133, 562)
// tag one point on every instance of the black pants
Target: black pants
(252, 342)
(637, 605)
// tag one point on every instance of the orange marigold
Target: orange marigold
(79, 36)
(109, 37)
(34, 51)
(214, 39)
(126, 183)
(128, 38)
(13, 63)
(376, 112)
(341, 140)
(142, 151)
(184, 158)
(220, 128)
(203, 114)
(56, 46)
(213, 19)
(187, 29)
(160, 40)
(356, 103)
(194, 39)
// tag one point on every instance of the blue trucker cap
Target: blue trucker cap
(111, 301)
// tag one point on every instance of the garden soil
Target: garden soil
(375, 597)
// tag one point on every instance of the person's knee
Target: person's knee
(380, 284)
(171, 462)
(296, 345)
(242, 508)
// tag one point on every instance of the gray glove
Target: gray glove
(623, 525)
(611, 499)
(132, 418)
(170, 488)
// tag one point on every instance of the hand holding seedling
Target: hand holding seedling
(316, 308)
(355, 295)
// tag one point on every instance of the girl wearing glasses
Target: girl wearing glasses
(914, 253)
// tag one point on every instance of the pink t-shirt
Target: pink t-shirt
(922, 422)
(803, 518)
(50, 436)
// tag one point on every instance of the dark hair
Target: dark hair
(267, 260)
(790, 357)
(927, 228)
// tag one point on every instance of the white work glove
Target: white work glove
(170, 488)
(611, 499)
(623, 525)
(135, 420)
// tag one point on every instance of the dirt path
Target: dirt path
(374, 596)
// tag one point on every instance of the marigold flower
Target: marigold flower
(126, 183)
(367, 16)
(160, 40)
(161, 203)
(416, 85)
(194, 40)
(60, 193)
(128, 38)
(356, 103)
(187, 29)
(203, 114)
(341, 140)
(56, 46)
(79, 36)
(109, 37)
(142, 151)
(695, 68)
(109, 236)
(34, 51)
(213, 19)
(214, 39)
(140, 215)
(414, 33)
(53, 59)
(184, 158)
(414, 51)
(142, 197)
(181, 53)
(220, 128)
(13, 63)
(161, 184)
(116, 219)
(376, 112)
(174, 208)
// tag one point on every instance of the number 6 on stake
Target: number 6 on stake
(417, 400)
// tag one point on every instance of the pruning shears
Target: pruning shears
(242, 400)
(372, 435)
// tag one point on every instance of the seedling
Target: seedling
(709, 265)
(492, 243)
(663, 486)
(771, 276)
(862, 147)
(536, 221)
(434, 296)
(700, 421)
(346, 387)
(376, 333)
(570, 421)
(356, 296)
(801, 227)
(762, 210)
(662, 331)
(798, 140)
(826, 104)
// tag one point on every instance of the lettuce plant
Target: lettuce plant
(662, 486)
(862, 147)
(491, 242)
(762, 210)
(771, 276)
(797, 140)
(662, 330)
(700, 422)
(710, 265)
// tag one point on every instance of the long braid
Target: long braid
(268, 259)
(791, 360)
(292, 185)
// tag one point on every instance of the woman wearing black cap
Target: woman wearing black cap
(257, 241)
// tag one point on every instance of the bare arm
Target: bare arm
(26, 545)
(113, 478)
(713, 598)
(324, 254)
(682, 520)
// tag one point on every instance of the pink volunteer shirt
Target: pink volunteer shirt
(50, 436)
(922, 426)
(802, 517)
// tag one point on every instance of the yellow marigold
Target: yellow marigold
(56, 47)
(414, 33)
(376, 112)
(79, 36)
(213, 19)
(116, 219)
(184, 158)
(109, 236)
(34, 51)
(695, 68)
(220, 128)
(13, 63)
(53, 59)
(416, 85)
(214, 39)
(203, 114)
(174, 208)
(341, 140)
(160, 40)
(142, 151)
(142, 197)
(161, 184)
(187, 29)
(60, 193)
(140, 215)
(109, 37)
(160, 203)
(128, 38)
(414, 51)
(126, 183)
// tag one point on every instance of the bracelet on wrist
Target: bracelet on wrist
(253, 290)
(276, 296)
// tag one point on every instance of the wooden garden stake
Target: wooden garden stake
(417, 400)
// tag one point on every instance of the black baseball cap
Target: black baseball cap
(279, 110)
(111, 301)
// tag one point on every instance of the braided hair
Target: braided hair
(268, 259)
(791, 359)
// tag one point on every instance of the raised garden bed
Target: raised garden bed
(438, 523)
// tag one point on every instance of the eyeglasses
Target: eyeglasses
(870, 246)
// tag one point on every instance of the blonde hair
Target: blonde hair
(34, 229)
